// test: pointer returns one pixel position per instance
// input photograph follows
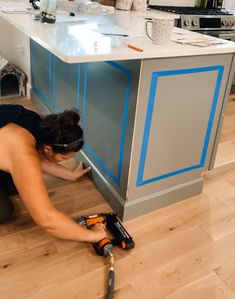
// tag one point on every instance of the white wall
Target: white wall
(14, 46)
(21, 52)
(6, 37)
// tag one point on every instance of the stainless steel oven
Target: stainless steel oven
(201, 19)
(224, 34)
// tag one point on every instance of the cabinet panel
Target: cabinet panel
(42, 71)
(67, 85)
(105, 106)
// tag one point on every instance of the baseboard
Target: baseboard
(130, 209)
(162, 199)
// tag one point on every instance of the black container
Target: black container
(211, 4)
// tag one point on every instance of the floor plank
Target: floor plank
(227, 274)
(209, 287)
(226, 148)
(12, 244)
(197, 263)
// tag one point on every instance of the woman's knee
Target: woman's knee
(6, 207)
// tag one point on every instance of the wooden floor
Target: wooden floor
(184, 251)
(226, 147)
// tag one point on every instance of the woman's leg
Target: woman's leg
(7, 188)
(6, 207)
(7, 184)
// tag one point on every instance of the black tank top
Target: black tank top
(21, 116)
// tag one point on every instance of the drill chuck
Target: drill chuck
(103, 247)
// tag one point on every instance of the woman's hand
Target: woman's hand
(79, 171)
(60, 171)
(100, 232)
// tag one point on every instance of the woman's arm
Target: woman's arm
(60, 171)
(26, 171)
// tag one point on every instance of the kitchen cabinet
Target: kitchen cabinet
(150, 127)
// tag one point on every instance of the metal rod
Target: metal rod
(111, 276)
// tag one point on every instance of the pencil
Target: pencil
(134, 48)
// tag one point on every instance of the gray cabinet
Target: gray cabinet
(151, 127)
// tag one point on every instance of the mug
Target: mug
(161, 30)
(123, 4)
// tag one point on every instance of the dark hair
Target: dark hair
(61, 131)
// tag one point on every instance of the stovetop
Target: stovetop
(191, 10)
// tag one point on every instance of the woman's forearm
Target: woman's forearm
(57, 170)
(61, 226)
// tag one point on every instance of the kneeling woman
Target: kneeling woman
(31, 145)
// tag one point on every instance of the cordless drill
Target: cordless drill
(113, 224)
(105, 246)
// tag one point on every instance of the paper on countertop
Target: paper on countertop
(114, 30)
(195, 39)
(180, 31)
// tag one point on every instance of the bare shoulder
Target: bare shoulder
(17, 144)
(18, 135)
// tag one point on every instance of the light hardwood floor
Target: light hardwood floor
(226, 146)
(183, 251)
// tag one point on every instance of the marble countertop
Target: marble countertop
(82, 39)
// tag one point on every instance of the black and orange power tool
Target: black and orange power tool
(120, 236)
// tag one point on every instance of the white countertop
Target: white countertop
(82, 40)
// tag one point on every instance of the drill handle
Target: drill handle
(92, 220)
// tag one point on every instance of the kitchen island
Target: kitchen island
(151, 119)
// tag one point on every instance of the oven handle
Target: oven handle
(228, 36)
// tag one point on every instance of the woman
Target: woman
(30, 145)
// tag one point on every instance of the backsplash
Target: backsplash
(229, 4)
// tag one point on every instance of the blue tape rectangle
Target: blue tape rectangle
(153, 87)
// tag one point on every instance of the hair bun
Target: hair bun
(68, 118)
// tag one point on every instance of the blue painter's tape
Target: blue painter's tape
(116, 179)
(119, 67)
(105, 168)
(147, 126)
(78, 86)
(212, 113)
(52, 86)
(84, 93)
(152, 94)
(50, 79)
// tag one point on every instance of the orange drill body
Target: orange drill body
(113, 224)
